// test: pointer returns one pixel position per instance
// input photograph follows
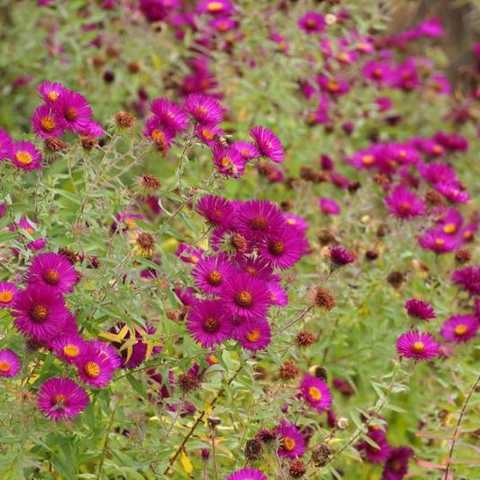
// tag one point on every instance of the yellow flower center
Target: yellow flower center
(52, 95)
(368, 159)
(461, 329)
(214, 278)
(24, 157)
(92, 369)
(71, 350)
(159, 137)
(333, 86)
(315, 393)
(6, 296)
(5, 366)
(208, 134)
(439, 242)
(418, 347)
(288, 443)
(254, 335)
(48, 123)
(276, 248)
(244, 299)
(437, 149)
(450, 228)
(215, 7)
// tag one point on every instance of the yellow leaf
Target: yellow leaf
(186, 463)
(115, 337)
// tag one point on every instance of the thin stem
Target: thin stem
(105, 445)
(457, 426)
(299, 317)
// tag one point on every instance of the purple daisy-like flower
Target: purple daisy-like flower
(8, 293)
(108, 352)
(278, 296)
(268, 144)
(437, 241)
(296, 221)
(419, 309)
(90, 129)
(170, 114)
(245, 296)
(312, 22)
(159, 133)
(51, 91)
(396, 466)
(284, 247)
(247, 474)
(74, 109)
(204, 109)
(54, 271)
(215, 7)
(451, 221)
(69, 348)
(46, 123)
(208, 134)
(96, 366)
(247, 150)
(211, 273)
(316, 393)
(39, 313)
(454, 192)
(5, 145)
(189, 254)
(26, 156)
(228, 161)
(257, 267)
(256, 219)
(61, 399)
(417, 345)
(328, 206)
(459, 328)
(254, 335)
(340, 256)
(468, 278)
(403, 203)
(379, 452)
(217, 210)
(207, 323)
(10, 363)
(292, 443)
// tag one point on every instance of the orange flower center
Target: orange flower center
(24, 157)
(71, 350)
(288, 443)
(405, 207)
(6, 296)
(418, 347)
(59, 399)
(211, 324)
(276, 248)
(450, 228)
(71, 114)
(5, 367)
(48, 123)
(39, 313)
(52, 95)
(214, 278)
(208, 134)
(244, 299)
(437, 149)
(51, 277)
(439, 242)
(368, 159)
(259, 223)
(315, 393)
(333, 86)
(215, 7)
(92, 369)
(254, 335)
(461, 329)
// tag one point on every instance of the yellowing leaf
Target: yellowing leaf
(186, 463)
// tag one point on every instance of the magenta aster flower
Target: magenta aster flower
(245, 296)
(46, 123)
(417, 345)
(61, 399)
(328, 206)
(228, 161)
(335, 86)
(451, 221)
(296, 221)
(402, 203)
(108, 352)
(170, 114)
(90, 129)
(9, 363)
(217, 210)
(96, 366)
(396, 466)
(341, 256)
(278, 296)
(8, 293)
(316, 393)
(207, 323)
(5, 145)
(51, 91)
(292, 443)
(160, 134)
(268, 144)
(378, 72)
(74, 109)
(468, 278)
(284, 247)
(419, 309)
(26, 156)
(204, 109)
(39, 313)
(254, 334)
(454, 192)
(312, 22)
(437, 241)
(247, 150)
(256, 219)
(208, 134)
(379, 452)
(215, 7)
(188, 253)
(257, 267)
(54, 271)
(69, 348)
(247, 474)
(459, 328)
(211, 273)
